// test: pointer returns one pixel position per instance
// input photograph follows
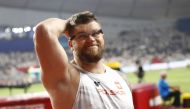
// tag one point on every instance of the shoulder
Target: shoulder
(111, 71)
(161, 81)
(118, 74)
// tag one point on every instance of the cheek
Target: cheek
(101, 40)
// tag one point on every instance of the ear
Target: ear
(72, 45)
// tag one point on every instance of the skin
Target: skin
(90, 46)
(59, 77)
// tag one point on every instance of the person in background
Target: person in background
(167, 91)
(84, 82)
(140, 71)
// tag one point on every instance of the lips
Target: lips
(91, 45)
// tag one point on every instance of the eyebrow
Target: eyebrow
(73, 36)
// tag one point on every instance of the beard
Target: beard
(91, 55)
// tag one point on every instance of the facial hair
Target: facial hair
(90, 55)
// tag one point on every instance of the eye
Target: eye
(97, 33)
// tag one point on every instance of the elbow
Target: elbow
(40, 32)
(41, 29)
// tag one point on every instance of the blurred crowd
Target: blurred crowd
(10, 74)
(18, 59)
(11, 77)
(150, 43)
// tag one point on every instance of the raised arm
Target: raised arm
(51, 55)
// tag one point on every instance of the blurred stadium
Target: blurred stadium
(156, 32)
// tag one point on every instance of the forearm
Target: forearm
(174, 88)
(52, 27)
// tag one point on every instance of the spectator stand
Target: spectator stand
(12, 78)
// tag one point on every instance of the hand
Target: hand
(176, 88)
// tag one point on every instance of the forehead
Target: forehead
(87, 27)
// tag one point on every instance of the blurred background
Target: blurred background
(153, 34)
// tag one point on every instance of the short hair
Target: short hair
(77, 19)
(163, 73)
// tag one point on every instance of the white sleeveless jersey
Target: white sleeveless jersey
(103, 91)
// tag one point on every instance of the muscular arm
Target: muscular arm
(51, 55)
(53, 60)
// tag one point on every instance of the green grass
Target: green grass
(15, 91)
(176, 77)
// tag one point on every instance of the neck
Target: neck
(90, 67)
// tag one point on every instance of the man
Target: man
(166, 93)
(85, 82)
(140, 71)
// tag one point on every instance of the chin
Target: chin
(92, 56)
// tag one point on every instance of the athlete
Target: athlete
(84, 82)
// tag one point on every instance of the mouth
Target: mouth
(92, 45)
